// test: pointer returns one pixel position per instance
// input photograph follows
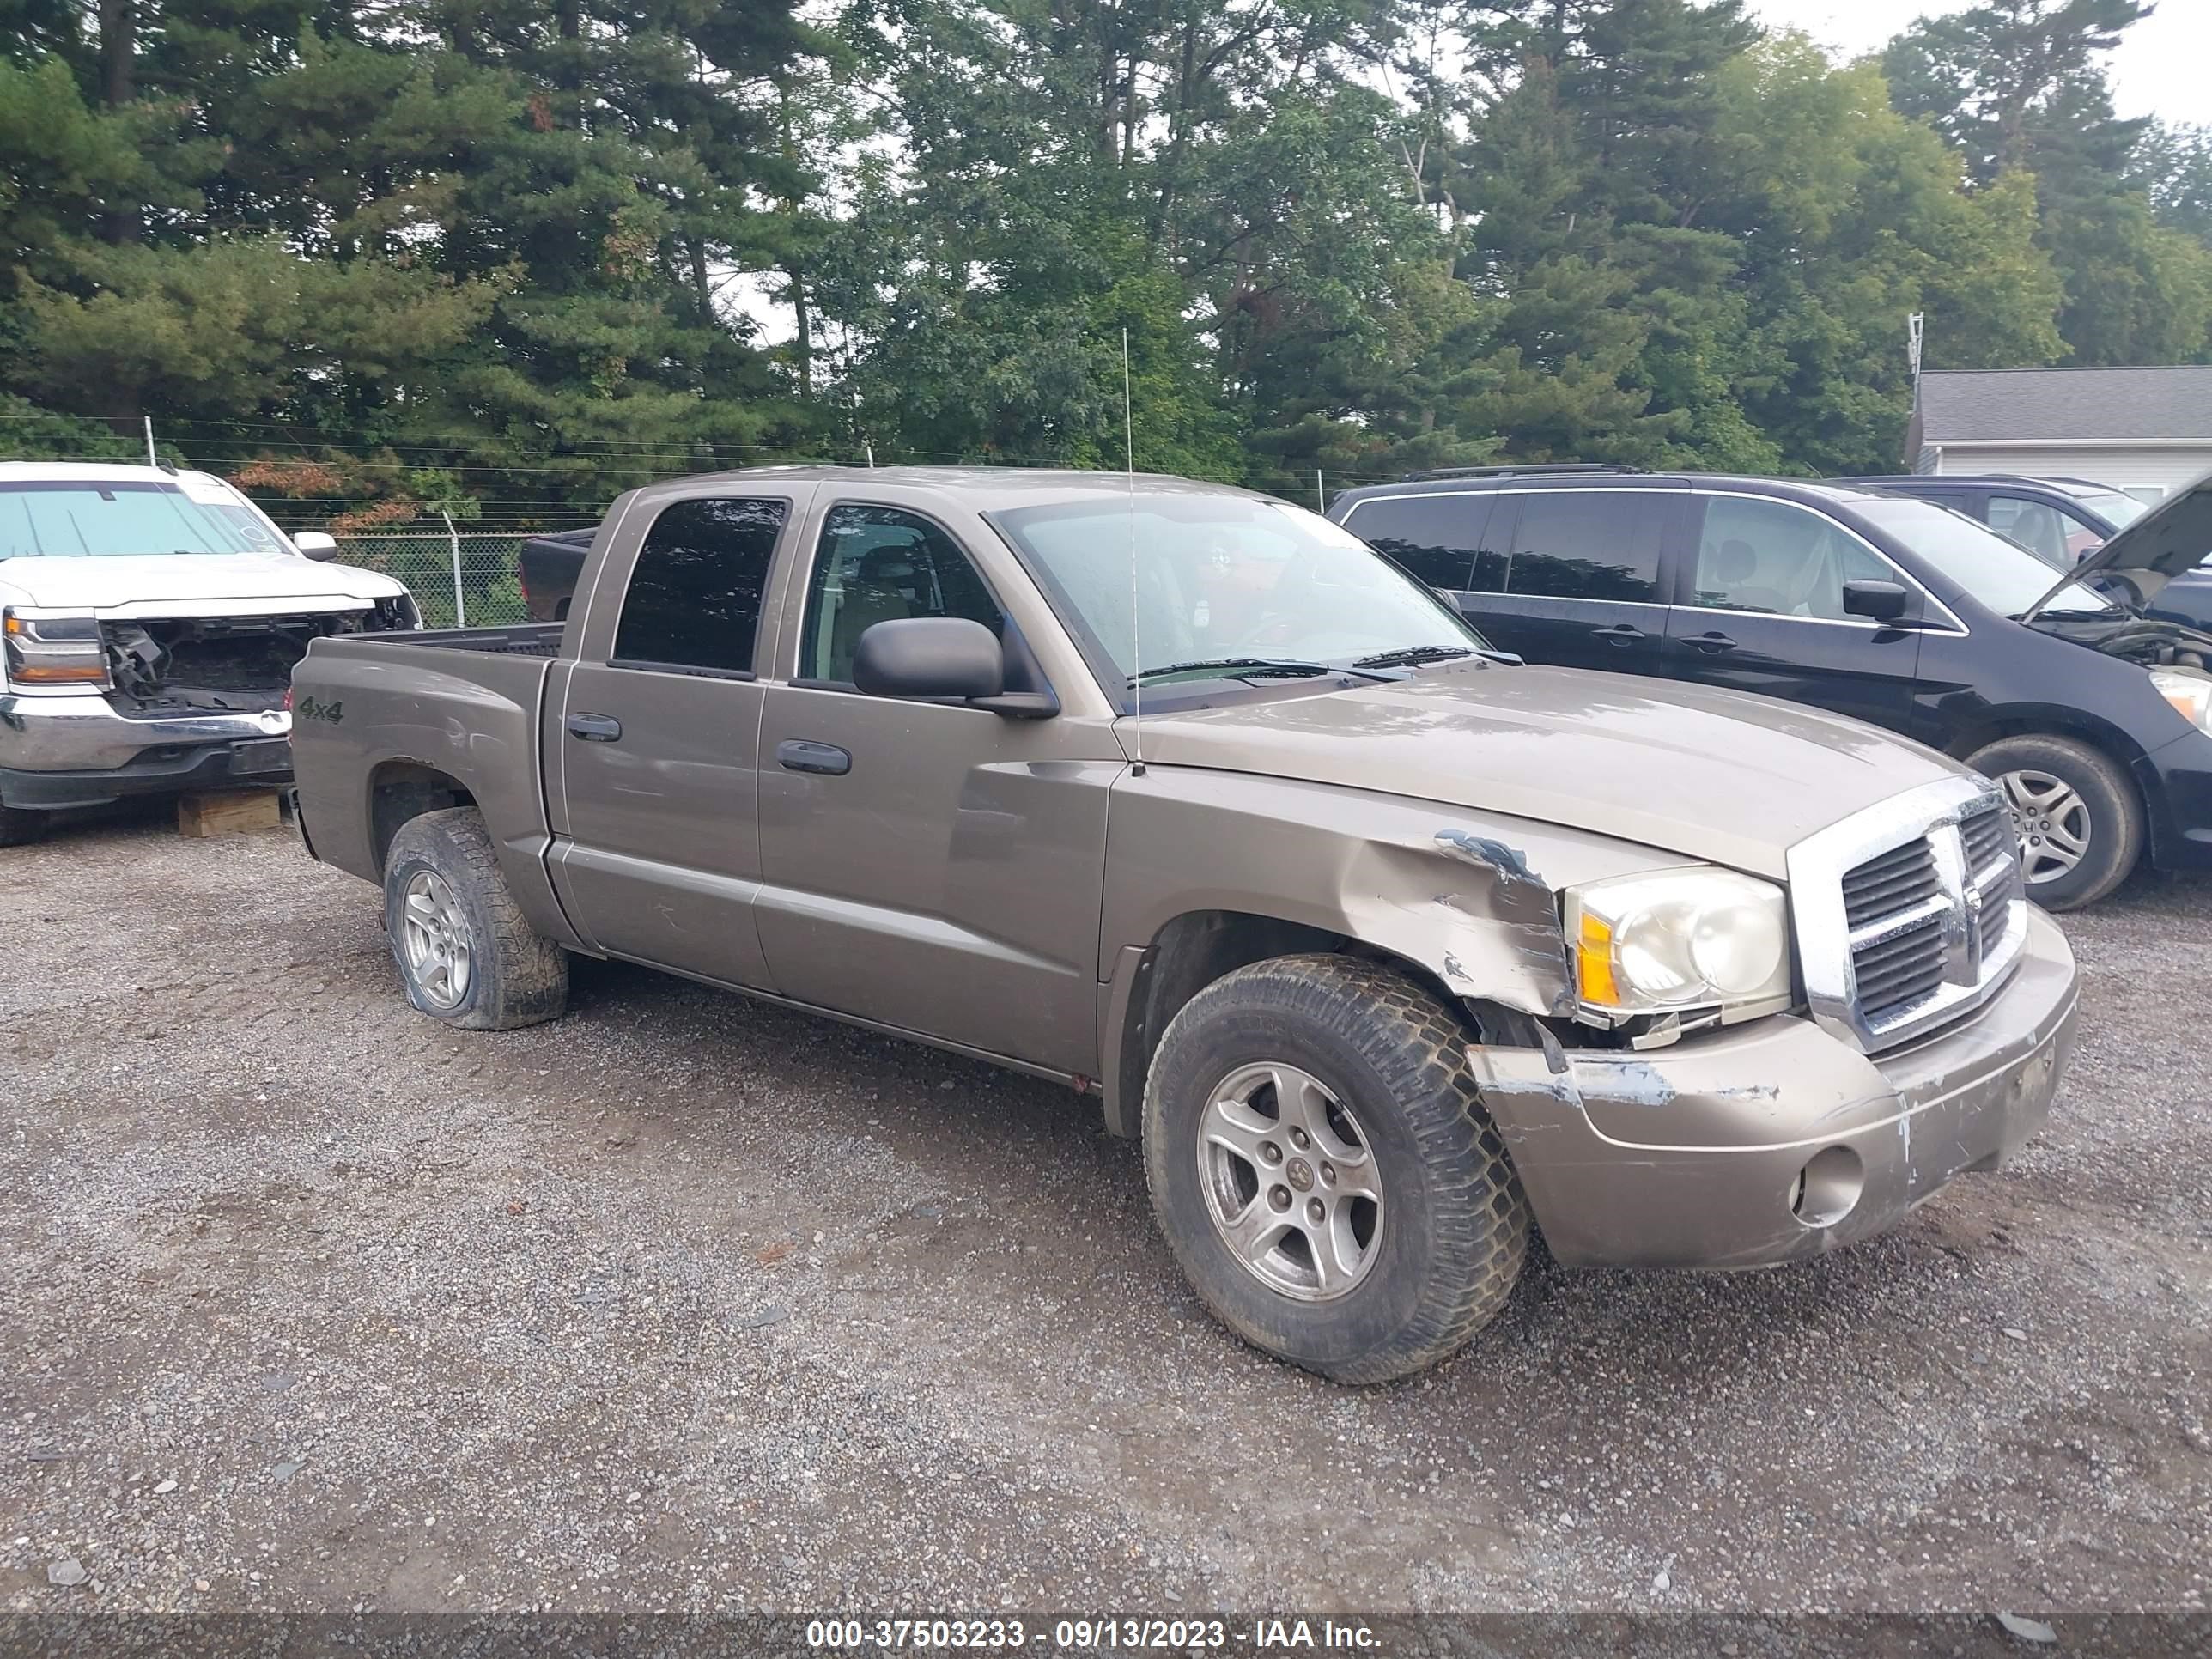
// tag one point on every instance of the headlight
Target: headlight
(2190, 694)
(1678, 939)
(53, 650)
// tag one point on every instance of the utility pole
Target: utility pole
(1915, 326)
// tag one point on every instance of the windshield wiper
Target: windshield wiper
(1420, 653)
(1252, 668)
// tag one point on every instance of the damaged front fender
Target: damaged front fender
(1471, 898)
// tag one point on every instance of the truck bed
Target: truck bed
(517, 640)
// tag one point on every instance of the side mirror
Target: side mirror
(1885, 602)
(316, 544)
(929, 657)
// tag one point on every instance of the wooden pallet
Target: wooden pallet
(228, 812)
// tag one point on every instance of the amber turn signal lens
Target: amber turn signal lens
(1594, 963)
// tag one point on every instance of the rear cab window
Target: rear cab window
(694, 601)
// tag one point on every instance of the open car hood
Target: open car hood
(2170, 540)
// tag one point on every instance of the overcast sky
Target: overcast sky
(2163, 66)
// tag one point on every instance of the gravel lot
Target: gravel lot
(681, 1302)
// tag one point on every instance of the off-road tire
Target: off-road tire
(1455, 1225)
(18, 827)
(2115, 811)
(516, 977)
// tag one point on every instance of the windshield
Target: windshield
(2109, 504)
(93, 520)
(1993, 568)
(1224, 586)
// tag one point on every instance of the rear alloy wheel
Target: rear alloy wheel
(2078, 817)
(466, 953)
(434, 936)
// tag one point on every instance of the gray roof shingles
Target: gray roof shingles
(2020, 405)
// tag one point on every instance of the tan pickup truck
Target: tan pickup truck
(1389, 947)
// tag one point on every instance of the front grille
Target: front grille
(1987, 838)
(1900, 973)
(1911, 913)
(1897, 927)
(1895, 881)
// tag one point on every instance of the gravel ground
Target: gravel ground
(686, 1302)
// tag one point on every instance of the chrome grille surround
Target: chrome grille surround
(1977, 919)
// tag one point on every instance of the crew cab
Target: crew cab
(150, 620)
(1384, 944)
(2094, 713)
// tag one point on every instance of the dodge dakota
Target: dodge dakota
(1389, 948)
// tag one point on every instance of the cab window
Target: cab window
(1778, 559)
(879, 564)
(694, 601)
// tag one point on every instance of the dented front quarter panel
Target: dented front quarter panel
(1473, 898)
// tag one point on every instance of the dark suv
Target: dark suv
(2061, 520)
(2097, 720)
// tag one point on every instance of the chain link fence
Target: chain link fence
(468, 579)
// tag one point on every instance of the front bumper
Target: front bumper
(70, 751)
(1775, 1142)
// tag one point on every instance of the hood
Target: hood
(192, 585)
(2170, 540)
(1702, 773)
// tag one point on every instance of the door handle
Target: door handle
(595, 728)
(1712, 644)
(797, 755)
(1620, 633)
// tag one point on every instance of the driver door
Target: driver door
(926, 866)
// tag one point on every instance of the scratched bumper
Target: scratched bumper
(1691, 1156)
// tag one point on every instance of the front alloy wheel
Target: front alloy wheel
(1323, 1168)
(1289, 1183)
(2053, 822)
(2079, 816)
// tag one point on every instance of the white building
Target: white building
(2144, 430)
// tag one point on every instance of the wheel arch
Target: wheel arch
(2045, 720)
(1197, 948)
(401, 789)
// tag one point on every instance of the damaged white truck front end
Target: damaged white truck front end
(149, 622)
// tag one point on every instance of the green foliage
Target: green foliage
(503, 260)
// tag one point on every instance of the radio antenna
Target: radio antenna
(1136, 655)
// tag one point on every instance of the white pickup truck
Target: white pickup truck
(150, 620)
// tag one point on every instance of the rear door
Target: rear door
(651, 745)
(1759, 607)
(1582, 577)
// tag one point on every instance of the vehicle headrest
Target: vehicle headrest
(1736, 560)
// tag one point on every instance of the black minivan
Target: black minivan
(2096, 719)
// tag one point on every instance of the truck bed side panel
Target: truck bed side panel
(364, 707)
